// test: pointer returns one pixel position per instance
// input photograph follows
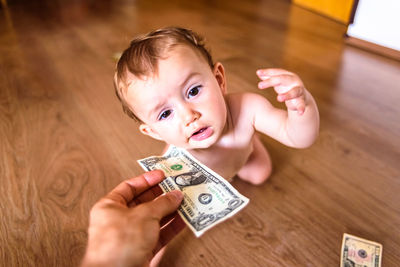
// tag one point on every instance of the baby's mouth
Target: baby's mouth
(199, 131)
(202, 134)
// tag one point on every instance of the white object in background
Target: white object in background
(377, 22)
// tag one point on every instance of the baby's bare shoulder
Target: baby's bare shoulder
(240, 98)
(244, 106)
(246, 102)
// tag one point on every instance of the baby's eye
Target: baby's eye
(164, 115)
(194, 91)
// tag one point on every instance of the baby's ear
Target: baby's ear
(147, 130)
(219, 73)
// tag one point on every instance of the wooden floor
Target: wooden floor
(64, 141)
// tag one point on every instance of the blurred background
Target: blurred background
(65, 142)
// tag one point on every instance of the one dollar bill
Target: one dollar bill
(208, 198)
(359, 252)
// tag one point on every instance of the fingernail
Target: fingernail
(177, 194)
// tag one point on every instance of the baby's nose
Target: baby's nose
(189, 115)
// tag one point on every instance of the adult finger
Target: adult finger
(169, 231)
(146, 196)
(145, 181)
(167, 219)
(164, 204)
(128, 189)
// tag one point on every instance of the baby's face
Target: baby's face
(184, 104)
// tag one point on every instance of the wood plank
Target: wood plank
(64, 141)
(379, 49)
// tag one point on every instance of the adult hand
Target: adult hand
(129, 225)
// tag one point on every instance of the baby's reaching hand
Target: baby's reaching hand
(287, 85)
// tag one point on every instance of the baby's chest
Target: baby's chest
(227, 160)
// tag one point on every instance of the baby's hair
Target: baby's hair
(141, 57)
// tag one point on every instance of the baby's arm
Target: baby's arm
(299, 125)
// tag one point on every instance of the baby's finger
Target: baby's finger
(301, 108)
(297, 104)
(271, 72)
(295, 92)
(279, 80)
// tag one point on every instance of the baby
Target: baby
(168, 82)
